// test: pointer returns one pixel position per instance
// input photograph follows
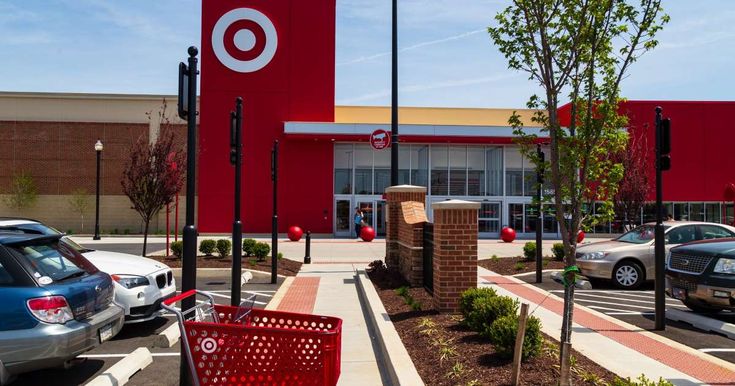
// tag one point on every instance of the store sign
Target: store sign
(379, 139)
(244, 32)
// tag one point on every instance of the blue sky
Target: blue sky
(446, 57)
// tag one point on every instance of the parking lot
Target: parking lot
(637, 307)
(165, 367)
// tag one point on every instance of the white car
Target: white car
(141, 284)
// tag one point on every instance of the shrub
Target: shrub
(529, 250)
(69, 231)
(402, 291)
(280, 255)
(558, 250)
(177, 248)
(248, 247)
(503, 331)
(224, 247)
(486, 310)
(261, 250)
(467, 299)
(207, 247)
(126, 231)
(494, 258)
(640, 381)
(519, 266)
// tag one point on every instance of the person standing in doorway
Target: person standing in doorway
(358, 221)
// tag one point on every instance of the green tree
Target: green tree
(23, 191)
(79, 203)
(579, 50)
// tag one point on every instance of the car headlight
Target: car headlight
(130, 281)
(725, 266)
(594, 256)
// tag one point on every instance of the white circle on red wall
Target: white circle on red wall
(244, 40)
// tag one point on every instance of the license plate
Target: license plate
(679, 293)
(105, 333)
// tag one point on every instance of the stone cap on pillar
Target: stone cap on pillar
(405, 189)
(455, 204)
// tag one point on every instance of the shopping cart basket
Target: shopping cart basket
(227, 345)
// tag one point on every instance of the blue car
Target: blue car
(54, 304)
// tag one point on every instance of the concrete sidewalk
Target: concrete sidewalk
(618, 346)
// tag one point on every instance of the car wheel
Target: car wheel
(696, 307)
(627, 275)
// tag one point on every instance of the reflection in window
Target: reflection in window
(439, 171)
(404, 164)
(420, 165)
(550, 224)
(363, 169)
(696, 211)
(513, 172)
(382, 170)
(531, 217)
(712, 212)
(494, 163)
(681, 212)
(458, 170)
(343, 168)
(515, 216)
(475, 171)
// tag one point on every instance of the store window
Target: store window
(381, 159)
(494, 162)
(475, 171)
(681, 211)
(404, 164)
(696, 211)
(513, 172)
(458, 170)
(343, 158)
(712, 212)
(439, 171)
(363, 169)
(420, 165)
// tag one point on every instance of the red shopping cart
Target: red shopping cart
(246, 346)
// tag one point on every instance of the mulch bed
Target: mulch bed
(514, 265)
(475, 361)
(286, 267)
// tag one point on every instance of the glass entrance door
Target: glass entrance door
(488, 219)
(368, 214)
(342, 218)
(380, 218)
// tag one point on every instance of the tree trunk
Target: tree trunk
(145, 236)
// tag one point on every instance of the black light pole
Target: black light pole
(539, 218)
(274, 224)
(394, 101)
(187, 107)
(659, 248)
(236, 160)
(98, 149)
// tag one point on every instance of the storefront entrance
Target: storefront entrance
(373, 211)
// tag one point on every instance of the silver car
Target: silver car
(629, 259)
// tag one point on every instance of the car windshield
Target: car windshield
(53, 260)
(73, 244)
(640, 235)
(31, 228)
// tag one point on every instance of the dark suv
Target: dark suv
(702, 275)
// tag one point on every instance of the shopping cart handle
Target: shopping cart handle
(179, 297)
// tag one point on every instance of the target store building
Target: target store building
(279, 56)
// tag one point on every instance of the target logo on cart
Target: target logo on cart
(244, 40)
(209, 345)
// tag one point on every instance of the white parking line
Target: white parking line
(618, 310)
(717, 349)
(672, 302)
(615, 304)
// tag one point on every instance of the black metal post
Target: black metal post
(539, 217)
(394, 101)
(98, 150)
(274, 224)
(307, 255)
(188, 276)
(659, 251)
(236, 156)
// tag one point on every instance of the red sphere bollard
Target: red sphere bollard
(295, 233)
(367, 234)
(508, 234)
(580, 236)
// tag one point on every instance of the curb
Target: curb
(701, 322)
(278, 296)
(168, 337)
(395, 358)
(120, 373)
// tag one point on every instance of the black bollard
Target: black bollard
(307, 255)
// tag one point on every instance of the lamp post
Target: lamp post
(98, 149)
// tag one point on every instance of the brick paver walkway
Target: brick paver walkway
(300, 296)
(688, 363)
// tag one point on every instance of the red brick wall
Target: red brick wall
(455, 255)
(394, 200)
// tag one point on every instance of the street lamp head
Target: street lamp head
(98, 146)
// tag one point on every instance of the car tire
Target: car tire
(627, 275)
(698, 308)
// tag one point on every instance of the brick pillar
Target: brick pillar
(455, 251)
(395, 195)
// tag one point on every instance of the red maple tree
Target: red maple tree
(631, 195)
(152, 176)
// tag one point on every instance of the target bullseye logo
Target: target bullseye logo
(209, 345)
(244, 40)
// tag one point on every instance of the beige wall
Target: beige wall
(115, 213)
